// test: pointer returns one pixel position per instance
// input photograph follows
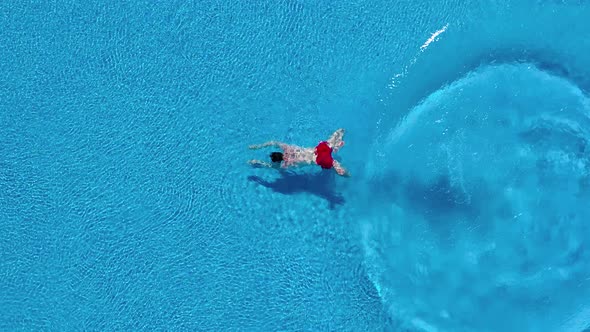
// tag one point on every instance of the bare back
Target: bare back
(293, 155)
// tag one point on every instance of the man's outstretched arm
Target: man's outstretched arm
(263, 145)
(259, 163)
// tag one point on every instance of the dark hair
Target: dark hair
(276, 157)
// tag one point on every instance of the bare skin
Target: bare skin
(294, 155)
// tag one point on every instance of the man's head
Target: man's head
(276, 157)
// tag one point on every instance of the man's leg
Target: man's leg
(339, 169)
(335, 141)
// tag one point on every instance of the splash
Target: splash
(478, 200)
(395, 80)
(434, 37)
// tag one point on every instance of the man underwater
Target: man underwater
(294, 155)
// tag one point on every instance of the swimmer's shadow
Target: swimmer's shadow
(320, 184)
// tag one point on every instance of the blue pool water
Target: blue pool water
(126, 202)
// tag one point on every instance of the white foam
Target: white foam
(433, 37)
(395, 80)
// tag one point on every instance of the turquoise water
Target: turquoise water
(126, 202)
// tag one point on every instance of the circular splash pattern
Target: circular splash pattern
(484, 204)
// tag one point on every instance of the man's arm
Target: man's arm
(259, 163)
(339, 169)
(263, 145)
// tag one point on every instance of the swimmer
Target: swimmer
(294, 155)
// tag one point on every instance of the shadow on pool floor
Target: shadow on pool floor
(320, 184)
